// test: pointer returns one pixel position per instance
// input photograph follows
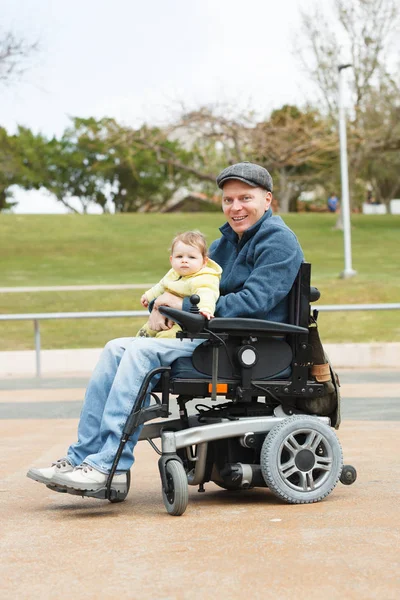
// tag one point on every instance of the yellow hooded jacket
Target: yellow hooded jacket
(205, 283)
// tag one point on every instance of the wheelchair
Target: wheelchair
(274, 427)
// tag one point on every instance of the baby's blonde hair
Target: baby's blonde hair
(191, 238)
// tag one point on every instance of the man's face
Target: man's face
(186, 259)
(243, 205)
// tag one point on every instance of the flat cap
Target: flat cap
(249, 173)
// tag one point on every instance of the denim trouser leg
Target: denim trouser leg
(112, 392)
(96, 396)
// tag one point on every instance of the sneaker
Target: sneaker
(62, 465)
(87, 478)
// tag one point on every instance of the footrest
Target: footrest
(116, 495)
(63, 490)
(101, 494)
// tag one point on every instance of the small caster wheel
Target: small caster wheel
(348, 475)
(176, 496)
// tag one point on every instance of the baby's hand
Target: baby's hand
(206, 314)
(143, 300)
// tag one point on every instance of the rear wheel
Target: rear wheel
(301, 460)
(176, 496)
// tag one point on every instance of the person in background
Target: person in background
(333, 203)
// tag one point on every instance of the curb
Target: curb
(375, 355)
(67, 362)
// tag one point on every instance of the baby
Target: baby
(192, 273)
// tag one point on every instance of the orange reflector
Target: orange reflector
(222, 388)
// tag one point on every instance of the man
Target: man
(260, 257)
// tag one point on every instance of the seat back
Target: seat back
(300, 297)
(277, 344)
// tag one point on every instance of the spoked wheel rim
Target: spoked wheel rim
(301, 459)
(304, 460)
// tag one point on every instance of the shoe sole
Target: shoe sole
(56, 488)
(36, 476)
(121, 488)
(64, 490)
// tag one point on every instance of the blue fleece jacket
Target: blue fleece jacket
(258, 270)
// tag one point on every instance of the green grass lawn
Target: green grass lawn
(47, 250)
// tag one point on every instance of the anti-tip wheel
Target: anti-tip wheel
(348, 475)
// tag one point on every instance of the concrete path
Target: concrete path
(227, 544)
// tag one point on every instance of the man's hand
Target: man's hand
(168, 299)
(158, 322)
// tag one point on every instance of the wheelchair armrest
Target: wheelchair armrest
(257, 326)
(195, 323)
(191, 322)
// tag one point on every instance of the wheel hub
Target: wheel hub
(305, 460)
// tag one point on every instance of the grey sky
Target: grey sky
(137, 60)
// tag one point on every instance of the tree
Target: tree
(360, 32)
(295, 145)
(299, 147)
(99, 161)
(21, 163)
(14, 55)
(34, 162)
(95, 161)
(135, 169)
(8, 169)
(376, 155)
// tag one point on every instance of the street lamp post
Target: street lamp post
(348, 270)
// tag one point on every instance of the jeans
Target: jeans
(111, 394)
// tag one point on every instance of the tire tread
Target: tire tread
(266, 466)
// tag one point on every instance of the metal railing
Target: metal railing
(36, 317)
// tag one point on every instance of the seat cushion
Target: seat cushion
(183, 368)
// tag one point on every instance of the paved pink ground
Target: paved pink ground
(227, 545)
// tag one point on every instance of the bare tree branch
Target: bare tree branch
(363, 28)
(14, 53)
